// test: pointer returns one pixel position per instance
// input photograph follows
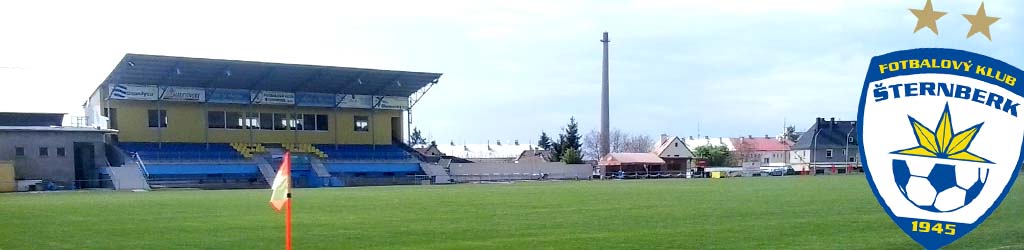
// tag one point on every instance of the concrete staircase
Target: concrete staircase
(440, 171)
(128, 177)
(266, 169)
(318, 168)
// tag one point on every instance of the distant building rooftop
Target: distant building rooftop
(31, 119)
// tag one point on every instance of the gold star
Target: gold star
(980, 22)
(927, 17)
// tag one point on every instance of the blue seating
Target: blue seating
(364, 152)
(409, 168)
(202, 169)
(182, 151)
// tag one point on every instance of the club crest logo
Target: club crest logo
(940, 138)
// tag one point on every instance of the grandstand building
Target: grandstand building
(224, 123)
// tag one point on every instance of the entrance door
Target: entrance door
(84, 163)
(396, 129)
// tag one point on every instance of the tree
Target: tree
(416, 138)
(618, 141)
(556, 148)
(571, 156)
(717, 155)
(544, 142)
(571, 138)
(744, 151)
(790, 134)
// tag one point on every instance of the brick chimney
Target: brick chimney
(664, 138)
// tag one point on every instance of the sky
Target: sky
(515, 68)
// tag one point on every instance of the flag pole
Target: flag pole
(288, 223)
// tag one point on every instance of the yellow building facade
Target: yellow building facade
(138, 121)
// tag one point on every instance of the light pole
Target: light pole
(846, 153)
(814, 147)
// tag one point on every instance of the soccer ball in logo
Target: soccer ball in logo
(939, 187)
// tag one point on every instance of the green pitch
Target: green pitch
(737, 213)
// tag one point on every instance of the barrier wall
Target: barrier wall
(467, 172)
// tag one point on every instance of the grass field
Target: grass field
(738, 213)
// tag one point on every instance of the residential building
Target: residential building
(828, 147)
(674, 152)
(763, 152)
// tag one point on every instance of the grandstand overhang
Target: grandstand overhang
(212, 75)
(142, 77)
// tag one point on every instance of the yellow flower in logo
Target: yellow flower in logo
(942, 143)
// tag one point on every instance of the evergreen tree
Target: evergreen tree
(557, 148)
(416, 138)
(571, 156)
(791, 133)
(544, 142)
(571, 138)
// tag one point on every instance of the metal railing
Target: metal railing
(142, 165)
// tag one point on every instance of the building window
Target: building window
(266, 121)
(280, 121)
(308, 122)
(828, 153)
(362, 123)
(766, 160)
(853, 159)
(234, 120)
(849, 139)
(321, 122)
(215, 119)
(19, 151)
(60, 152)
(252, 121)
(44, 151)
(157, 118)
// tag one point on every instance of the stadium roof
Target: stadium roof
(31, 119)
(232, 74)
(53, 129)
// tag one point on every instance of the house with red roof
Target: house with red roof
(763, 152)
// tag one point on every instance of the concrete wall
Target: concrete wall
(504, 171)
(801, 159)
(187, 122)
(51, 167)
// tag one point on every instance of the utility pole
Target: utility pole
(604, 99)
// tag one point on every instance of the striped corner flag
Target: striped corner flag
(282, 185)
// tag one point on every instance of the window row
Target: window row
(43, 151)
(266, 121)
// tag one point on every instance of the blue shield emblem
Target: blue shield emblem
(940, 139)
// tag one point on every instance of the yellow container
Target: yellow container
(716, 175)
(7, 183)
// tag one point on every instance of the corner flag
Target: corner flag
(281, 198)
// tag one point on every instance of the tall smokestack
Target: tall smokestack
(604, 98)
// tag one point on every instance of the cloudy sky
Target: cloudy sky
(515, 68)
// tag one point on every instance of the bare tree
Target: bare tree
(744, 151)
(619, 142)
